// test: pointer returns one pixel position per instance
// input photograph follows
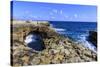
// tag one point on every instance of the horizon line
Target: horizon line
(53, 20)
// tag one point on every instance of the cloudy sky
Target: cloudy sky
(53, 12)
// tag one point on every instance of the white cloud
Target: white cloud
(35, 17)
(51, 13)
(61, 11)
(75, 15)
(26, 12)
(32, 16)
(66, 16)
(55, 11)
(53, 17)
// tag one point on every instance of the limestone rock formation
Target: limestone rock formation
(58, 49)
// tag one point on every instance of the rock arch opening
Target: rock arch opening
(34, 40)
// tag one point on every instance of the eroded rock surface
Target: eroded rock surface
(58, 49)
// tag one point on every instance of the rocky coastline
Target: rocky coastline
(58, 49)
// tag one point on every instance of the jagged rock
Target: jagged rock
(66, 51)
(25, 59)
(93, 37)
(35, 61)
(58, 49)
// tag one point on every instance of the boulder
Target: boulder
(93, 37)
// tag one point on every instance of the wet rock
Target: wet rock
(93, 37)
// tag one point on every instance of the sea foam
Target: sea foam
(29, 39)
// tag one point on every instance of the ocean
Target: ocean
(77, 31)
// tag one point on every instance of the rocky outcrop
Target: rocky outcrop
(93, 37)
(58, 49)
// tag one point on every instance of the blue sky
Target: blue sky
(53, 12)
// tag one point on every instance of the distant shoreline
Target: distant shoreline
(54, 21)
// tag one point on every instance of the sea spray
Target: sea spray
(84, 42)
(77, 31)
(35, 42)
